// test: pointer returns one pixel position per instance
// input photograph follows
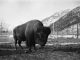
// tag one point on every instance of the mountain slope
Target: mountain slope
(51, 19)
(68, 19)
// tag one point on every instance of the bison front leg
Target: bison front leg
(30, 47)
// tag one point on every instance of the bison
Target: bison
(33, 32)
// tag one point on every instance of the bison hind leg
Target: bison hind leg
(19, 43)
(16, 44)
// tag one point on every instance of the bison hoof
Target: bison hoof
(28, 51)
(41, 47)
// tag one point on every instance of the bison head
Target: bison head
(43, 35)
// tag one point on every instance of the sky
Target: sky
(16, 12)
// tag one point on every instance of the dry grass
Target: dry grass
(53, 52)
(57, 52)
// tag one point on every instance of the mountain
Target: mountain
(71, 18)
(51, 19)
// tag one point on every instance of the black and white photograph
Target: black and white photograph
(39, 29)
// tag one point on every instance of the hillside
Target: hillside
(51, 19)
(68, 19)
